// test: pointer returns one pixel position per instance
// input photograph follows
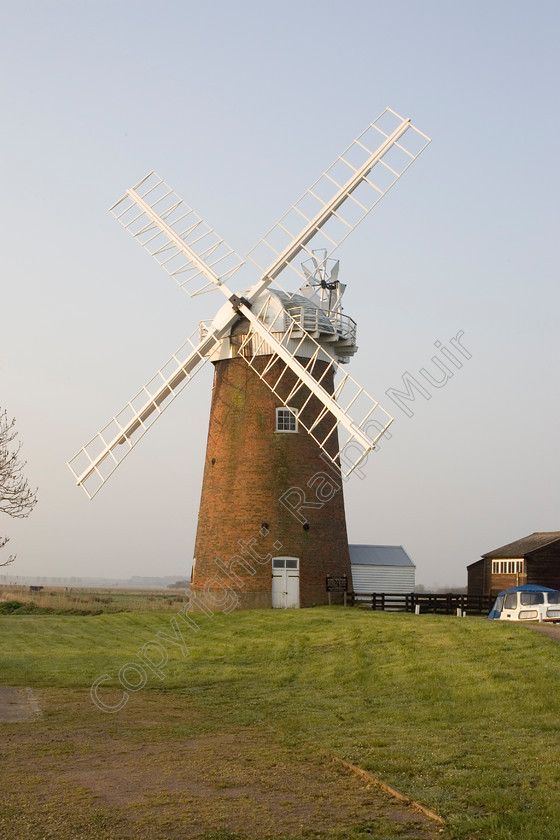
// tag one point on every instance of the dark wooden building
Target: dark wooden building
(534, 559)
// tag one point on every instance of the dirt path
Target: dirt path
(550, 630)
(17, 704)
(159, 770)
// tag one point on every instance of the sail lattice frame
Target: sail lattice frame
(349, 189)
(162, 223)
(95, 462)
(346, 437)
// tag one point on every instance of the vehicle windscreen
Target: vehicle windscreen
(554, 597)
(510, 601)
(531, 598)
(496, 607)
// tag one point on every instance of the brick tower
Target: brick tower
(271, 524)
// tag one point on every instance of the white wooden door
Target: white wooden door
(285, 583)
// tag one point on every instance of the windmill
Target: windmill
(284, 433)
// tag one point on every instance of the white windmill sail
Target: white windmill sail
(341, 197)
(199, 260)
(99, 458)
(175, 236)
(350, 409)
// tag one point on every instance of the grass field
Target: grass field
(459, 714)
(86, 601)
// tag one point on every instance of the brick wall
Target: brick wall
(248, 467)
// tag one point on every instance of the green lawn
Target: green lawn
(460, 714)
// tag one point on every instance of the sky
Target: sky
(240, 107)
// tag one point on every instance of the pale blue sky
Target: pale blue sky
(240, 106)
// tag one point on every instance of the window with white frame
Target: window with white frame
(508, 567)
(286, 419)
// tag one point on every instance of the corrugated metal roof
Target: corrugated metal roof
(379, 555)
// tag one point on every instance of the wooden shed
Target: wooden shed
(381, 568)
(531, 560)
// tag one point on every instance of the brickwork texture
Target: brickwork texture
(249, 468)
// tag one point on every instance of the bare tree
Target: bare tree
(16, 497)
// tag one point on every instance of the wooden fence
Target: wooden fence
(423, 602)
